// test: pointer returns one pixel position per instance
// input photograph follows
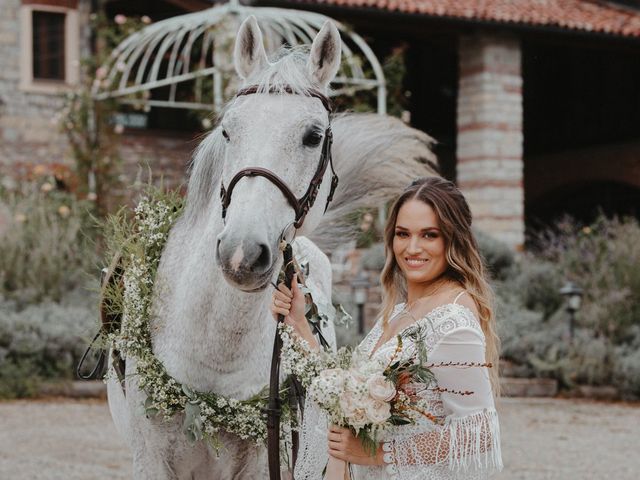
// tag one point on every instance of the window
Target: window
(48, 45)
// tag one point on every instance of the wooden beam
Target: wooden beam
(190, 5)
(53, 3)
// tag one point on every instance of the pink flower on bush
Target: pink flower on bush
(101, 72)
(120, 19)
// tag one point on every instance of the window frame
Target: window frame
(71, 55)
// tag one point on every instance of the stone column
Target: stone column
(490, 139)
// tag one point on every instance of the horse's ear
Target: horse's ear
(249, 54)
(324, 60)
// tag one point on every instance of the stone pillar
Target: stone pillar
(490, 139)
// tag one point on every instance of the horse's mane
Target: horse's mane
(375, 156)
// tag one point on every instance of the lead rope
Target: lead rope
(296, 390)
(274, 412)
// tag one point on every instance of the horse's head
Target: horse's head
(278, 123)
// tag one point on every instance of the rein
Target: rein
(301, 207)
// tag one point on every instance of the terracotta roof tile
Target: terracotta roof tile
(587, 15)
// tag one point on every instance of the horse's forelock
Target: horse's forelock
(287, 74)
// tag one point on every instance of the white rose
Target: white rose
(381, 389)
(378, 411)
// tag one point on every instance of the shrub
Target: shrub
(43, 341)
(603, 259)
(497, 255)
(46, 248)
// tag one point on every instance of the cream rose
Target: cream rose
(378, 411)
(380, 388)
(358, 418)
(348, 404)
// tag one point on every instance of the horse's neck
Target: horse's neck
(208, 334)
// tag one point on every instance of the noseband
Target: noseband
(301, 205)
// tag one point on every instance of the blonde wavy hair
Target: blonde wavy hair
(465, 265)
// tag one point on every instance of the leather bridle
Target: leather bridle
(302, 205)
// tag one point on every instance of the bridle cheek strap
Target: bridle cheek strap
(300, 206)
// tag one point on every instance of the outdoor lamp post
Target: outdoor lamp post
(360, 286)
(573, 294)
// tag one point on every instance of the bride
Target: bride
(433, 275)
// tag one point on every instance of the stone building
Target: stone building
(535, 104)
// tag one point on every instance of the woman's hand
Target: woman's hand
(345, 446)
(290, 303)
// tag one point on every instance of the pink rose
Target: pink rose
(120, 19)
(380, 388)
(378, 411)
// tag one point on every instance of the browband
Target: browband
(328, 105)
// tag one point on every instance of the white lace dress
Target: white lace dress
(465, 444)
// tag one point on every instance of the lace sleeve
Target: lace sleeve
(469, 439)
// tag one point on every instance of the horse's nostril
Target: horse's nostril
(264, 258)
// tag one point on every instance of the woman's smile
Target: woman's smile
(418, 244)
(414, 262)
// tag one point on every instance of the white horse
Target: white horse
(211, 325)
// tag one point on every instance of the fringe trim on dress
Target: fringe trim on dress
(474, 442)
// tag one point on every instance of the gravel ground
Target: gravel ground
(542, 439)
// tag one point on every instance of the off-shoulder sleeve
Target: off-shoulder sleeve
(469, 439)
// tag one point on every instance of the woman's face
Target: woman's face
(418, 244)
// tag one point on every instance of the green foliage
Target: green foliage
(46, 248)
(394, 70)
(497, 255)
(373, 257)
(89, 125)
(604, 260)
(42, 342)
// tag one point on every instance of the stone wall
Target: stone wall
(164, 156)
(29, 131)
(490, 139)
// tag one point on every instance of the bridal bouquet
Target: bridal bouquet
(363, 394)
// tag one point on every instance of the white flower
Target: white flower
(380, 388)
(358, 419)
(349, 404)
(378, 411)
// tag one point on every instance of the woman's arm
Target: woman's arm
(470, 436)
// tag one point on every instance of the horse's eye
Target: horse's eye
(312, 139)
(225, 134)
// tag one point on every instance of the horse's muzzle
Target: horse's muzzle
(247, 265)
